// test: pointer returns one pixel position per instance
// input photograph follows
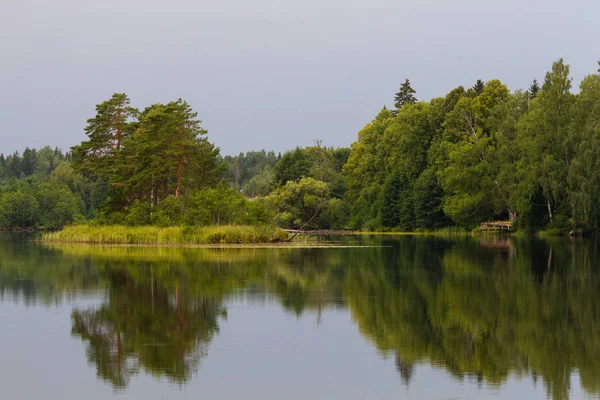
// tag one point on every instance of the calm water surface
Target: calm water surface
(414, 318)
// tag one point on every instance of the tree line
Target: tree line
(40, 188)
(481, 154)
(477, 154)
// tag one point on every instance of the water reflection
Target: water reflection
(480, 309)
(144, 324)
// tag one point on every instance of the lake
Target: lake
(408, 318)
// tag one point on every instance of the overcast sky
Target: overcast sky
(269, 73)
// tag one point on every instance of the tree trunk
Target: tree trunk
(179, 172)
(549, 210)
(306, 224)
(119, 133)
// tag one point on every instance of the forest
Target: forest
(480, 153)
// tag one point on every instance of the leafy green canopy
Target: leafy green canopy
(479, 155)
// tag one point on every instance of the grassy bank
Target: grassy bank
(149, 235)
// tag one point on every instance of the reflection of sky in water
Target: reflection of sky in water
(261, 352)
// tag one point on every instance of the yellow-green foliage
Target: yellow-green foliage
(117, 234)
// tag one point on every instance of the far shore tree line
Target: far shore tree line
(476, 154)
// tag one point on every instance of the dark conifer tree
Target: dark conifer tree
(29, 164)
(14, 166)
(534, 89)
(405, 95)
(2, 166)
(478, 87)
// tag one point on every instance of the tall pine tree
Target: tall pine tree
(106, 132)
(168, 153)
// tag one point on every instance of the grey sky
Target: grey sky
(269, 73)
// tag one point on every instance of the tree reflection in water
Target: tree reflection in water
(481, 309)
(144, 325)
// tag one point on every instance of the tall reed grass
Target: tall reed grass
(117, 234)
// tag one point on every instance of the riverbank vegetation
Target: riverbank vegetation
(477, 154)
(147, 235)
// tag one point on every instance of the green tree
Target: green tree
(478, 87)
(18, 209)
(14, 168)
(216, 206)
(29, 162)
(245, 166)
(299, 204)
(365, 172)
(584, 170)
(546, 149)
(469, 173)
(292, 166)
(58, 206)
(405, 95)
(427, 202)
(106, 133)
(168, 154)
(534, 89)
(47, 160)
(259, 185)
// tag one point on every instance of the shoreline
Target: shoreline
(278, 245)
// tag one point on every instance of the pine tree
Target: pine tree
(478, 87)
(406, 95)
(13, 165)
(168, 153)
(2, 166)
(106, 133)
(534, 89)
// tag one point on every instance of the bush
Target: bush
(139, 213)
(224, 206)
(169, 212)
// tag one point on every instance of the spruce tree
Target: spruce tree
(478, 87)
(13, 166)
(29, 163)
(2, 166)
(534, 89)
(405, 95)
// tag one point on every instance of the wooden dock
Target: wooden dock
(496, 226)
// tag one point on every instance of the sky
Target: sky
(270, 74)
